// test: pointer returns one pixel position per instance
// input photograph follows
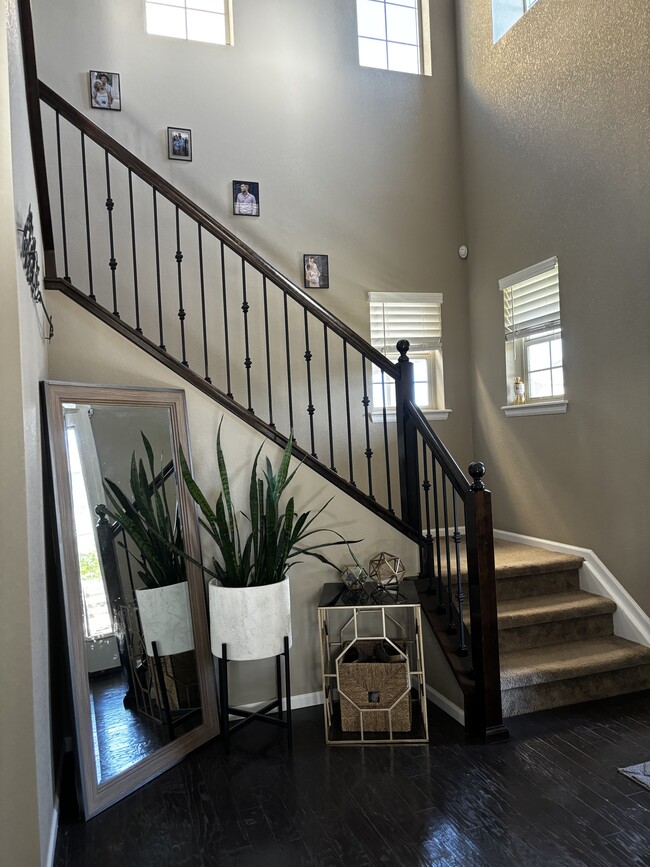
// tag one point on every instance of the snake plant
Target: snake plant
(147, 519)
(273, 537)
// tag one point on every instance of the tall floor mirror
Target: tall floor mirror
(141, 671)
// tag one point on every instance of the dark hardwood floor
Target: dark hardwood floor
(549, 796)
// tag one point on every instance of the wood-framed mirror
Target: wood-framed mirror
(141, 700)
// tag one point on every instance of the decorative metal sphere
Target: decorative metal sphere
(354, 576)
(386, 570)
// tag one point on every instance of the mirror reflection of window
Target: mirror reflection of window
(85, 480)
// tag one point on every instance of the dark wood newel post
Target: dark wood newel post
(487, 722)
(407, 443)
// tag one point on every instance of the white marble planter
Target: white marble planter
(166, 618)
(251, 621)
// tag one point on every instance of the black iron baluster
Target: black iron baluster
(112, 262)
(386, 448)
(135, 257)
(365, 400)
(460, 596)
(288, 354)
(226, 337)
(91, 293)
(268, 349)
(441, 607)
(329, 396)
(61, 197)
(179, 267)
(245, 308)
(158, 284)
(204, 325)
(451, 626)
(428, 538)
(310, 405)
(347, 409)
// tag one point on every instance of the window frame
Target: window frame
(423, 32)
(532, 315)
(504, 19)
(431, 354)
(186, 5)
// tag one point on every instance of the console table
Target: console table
(372, 662)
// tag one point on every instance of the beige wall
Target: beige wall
(26, 778)
(556, 145)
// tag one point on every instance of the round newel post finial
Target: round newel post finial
(402, 347)
(477, 471)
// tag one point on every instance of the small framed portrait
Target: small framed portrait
(317, 271)
(105, 91)
(246, 198)
(179, 143)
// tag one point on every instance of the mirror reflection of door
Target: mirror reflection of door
(140, 698)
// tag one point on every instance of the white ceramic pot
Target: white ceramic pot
(166, 618)
(250, 621)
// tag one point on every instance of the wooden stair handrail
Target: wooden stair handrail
(442, 453)
(195, 379)
(207, 222)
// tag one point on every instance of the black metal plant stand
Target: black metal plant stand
(282, 719)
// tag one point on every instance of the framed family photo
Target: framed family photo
(246, 198)
(317, 271)
(179, 143)
(105, 90)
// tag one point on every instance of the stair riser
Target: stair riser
(555, 632)
(543, 696)
(537, 584)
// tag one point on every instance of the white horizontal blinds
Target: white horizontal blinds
(412, 316)
(531, 300)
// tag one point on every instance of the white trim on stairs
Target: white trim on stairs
(54, 830)
(445, 704)
(54, 826)
(630, 620)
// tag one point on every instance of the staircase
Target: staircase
(142, 257)
(556, 642)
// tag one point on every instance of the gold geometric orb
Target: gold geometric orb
(386, 570)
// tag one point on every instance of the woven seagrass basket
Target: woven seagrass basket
(376, 691)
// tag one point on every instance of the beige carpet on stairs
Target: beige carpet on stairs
(557, 642)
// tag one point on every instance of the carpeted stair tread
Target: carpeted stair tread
(570, 660)
(512, 558)
(571, 605)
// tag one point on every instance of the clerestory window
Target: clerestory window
(505, 13)
(199, 20)
(392, 35)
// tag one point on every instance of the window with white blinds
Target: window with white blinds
(531, 300)
(412, 316)
(416, 317)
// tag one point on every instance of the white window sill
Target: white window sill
(377, 415)
(540, 407)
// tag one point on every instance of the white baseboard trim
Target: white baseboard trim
(306, 699)
(445, 704)
(630, 620)
(54, 826)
